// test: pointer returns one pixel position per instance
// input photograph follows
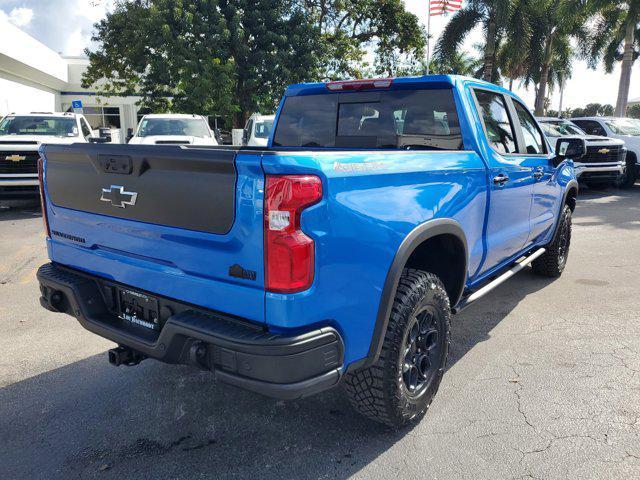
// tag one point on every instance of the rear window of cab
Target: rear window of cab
(398, 119)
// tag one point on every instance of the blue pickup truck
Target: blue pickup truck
(337, 254)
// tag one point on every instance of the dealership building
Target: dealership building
(34, 78)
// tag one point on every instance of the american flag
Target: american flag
(439, 7)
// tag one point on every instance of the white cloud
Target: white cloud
(20, 17)
(56, 23)
(76, 41)
(93, 11)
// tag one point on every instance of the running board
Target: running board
(466, 301)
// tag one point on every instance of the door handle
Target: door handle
(500, 179)
(538, 173)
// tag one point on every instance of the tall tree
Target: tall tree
(555, 24)
(492, 16)
(223, 57)
(459, 64)
(235, 57)
(352, 28)
(514, 54)
(616, 37)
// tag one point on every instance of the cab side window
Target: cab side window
(591, 127)
(247, 130)
(533, 141)
(86, 131)
(498, 126)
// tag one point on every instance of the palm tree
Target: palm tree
(492, 15)
(514, 53)
(616, 37)
(554, 24)
(459, 64)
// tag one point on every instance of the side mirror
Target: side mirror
(569, 148)
(105, 134)
(129, 135)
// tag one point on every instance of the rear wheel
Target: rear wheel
(552, 262)
(400, 386)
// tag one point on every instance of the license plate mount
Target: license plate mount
(138, 309)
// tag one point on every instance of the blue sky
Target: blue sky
(65, 26)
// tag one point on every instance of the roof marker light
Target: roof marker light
(364, 84)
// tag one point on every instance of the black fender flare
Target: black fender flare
(418, 235)
(571, 185)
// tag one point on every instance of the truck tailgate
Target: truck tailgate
(183, 222)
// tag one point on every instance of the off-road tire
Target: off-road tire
(630, 176)
(552, 262)
(380, 392)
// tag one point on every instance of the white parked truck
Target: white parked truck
(625, 129)
(173, 129)
(604, 163)
(20, 138)
(257, 130)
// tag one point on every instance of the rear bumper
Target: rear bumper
(238, 352)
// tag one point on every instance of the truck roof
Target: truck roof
(172, 115)
(389, 83)
(598, 117)
(44, 114)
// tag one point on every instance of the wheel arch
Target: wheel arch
(414, 252)
(570, 195)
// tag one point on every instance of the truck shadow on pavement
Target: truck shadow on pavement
(91, 420)
(19, 209)
(620, 208)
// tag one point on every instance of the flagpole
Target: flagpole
(428, 34)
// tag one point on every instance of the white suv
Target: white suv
(20, 137)
(626, 129)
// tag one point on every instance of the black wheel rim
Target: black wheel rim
(563, 243)
(422, 349)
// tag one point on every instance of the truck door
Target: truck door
(510, 181)
(535, 154)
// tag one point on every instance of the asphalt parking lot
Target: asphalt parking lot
(543, 382)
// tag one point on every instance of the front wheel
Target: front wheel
(400, 386)
(630, 175)
(552, 262)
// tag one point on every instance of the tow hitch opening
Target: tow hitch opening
(125, 356)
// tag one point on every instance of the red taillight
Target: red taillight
(289, 253)
(366, 84)
(43, 203)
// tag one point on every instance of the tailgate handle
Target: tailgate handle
(119, 164)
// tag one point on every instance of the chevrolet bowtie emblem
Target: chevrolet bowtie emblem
(15, 158)
(604, 151)
(117, 196)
